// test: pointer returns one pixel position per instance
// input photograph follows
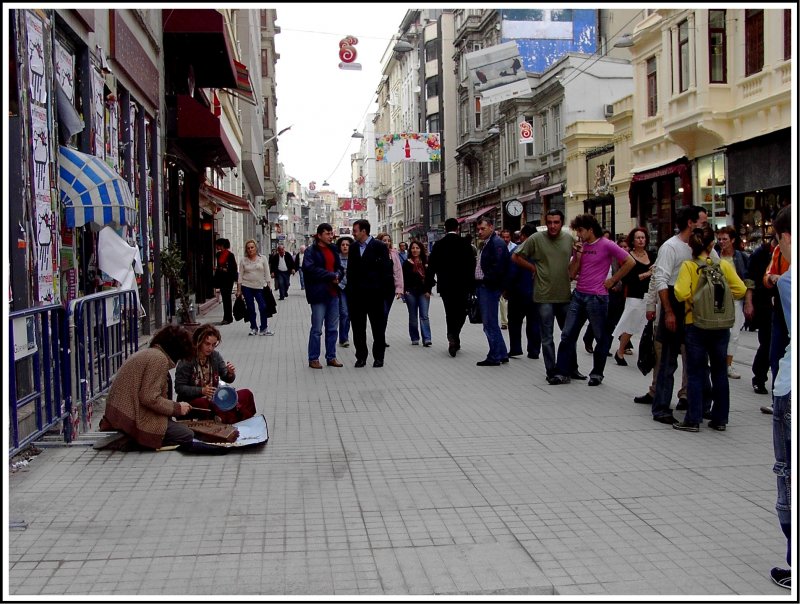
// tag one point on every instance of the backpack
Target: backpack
(712, 303)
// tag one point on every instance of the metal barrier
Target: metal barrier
(105, 332)
(40, 393)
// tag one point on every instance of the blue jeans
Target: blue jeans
(707, 348)
(302, 279)
(418, 316)
(282, 279)
(549, 313)
(252, 295)
(583, 306)
(344, 318)
(671, 342)
(782, 442)
(327, 312)
(489, 301)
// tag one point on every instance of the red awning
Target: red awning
(223, 198)
(244, 87)
(203, 138)
(199, 38)
(551, 189)
(526, 197)
(414, 227)
(676, 169)
(478, 214)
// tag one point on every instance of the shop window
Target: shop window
(683, 56)
(753, 41)
(711, 188)
(603, 210)
(717, 47)
(652, 87)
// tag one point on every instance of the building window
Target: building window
(753, 41)
(432, 87)
(264, 63)
(265, 122)
(464, 117)
(529, 150)
(787, 34)
(477, 112)
(433, 123)
(717, 43)
(652, 87)
(683, 56)
(512, 144)
(545, 140)
(431, 50)
(555, 111)
(435, 209)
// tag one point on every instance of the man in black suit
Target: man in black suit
(281, 267)
(452, 266)
(370, 280)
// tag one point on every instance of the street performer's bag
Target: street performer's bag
(474, 309)
(712, 302)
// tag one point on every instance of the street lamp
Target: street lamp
(356, 134)
(625, 41)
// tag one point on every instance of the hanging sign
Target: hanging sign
(348, 54)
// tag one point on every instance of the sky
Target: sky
(321, 102)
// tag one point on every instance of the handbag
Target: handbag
(239, 309)
(647, 350)
(474, 309)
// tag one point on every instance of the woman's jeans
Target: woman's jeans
(344, 318)
(707, 348)
(418, 305)
(782, 442)
(252, 295)
(327, 312)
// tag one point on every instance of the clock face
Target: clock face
(514, 208)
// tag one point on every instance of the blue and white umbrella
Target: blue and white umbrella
(91, 191)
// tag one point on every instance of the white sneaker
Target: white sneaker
(266, 332)
(253, 332)
(732, 374)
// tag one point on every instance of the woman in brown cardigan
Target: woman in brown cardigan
(139, 401)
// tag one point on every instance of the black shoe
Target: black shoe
(377, 363)
(386, 344)
(514, 355)
(487, 363)
(361, 363)
(427, 344)
(452, 349)
(620, 361)
(717, 427)
(682, 405)
(760, 389)
(767, 410)
(686, 427)
(665, 419)
(629, 346)
(645, 399)
(226, 322)
(505, 360)
(595, 381)
(577, 375)
(782, 577)
(533, 355)
(556, 380)
(589, 348)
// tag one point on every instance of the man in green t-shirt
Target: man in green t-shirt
(547, 254)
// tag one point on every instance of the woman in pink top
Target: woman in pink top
(397, 270)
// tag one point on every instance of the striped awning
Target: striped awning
(92, 191)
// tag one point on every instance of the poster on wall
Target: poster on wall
(65, 71)
(98, 113)
(408, 147)
(24, 337)
(36, 62)
(41, 154)
(497, 74)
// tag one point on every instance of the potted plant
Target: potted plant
(172, 265)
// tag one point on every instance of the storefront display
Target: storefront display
(711, 189)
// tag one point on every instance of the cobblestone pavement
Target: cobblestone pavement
(427, 476)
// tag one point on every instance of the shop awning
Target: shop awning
(473, 217)
(224, 199)
(414, 227)
(92, 191)
(526, 197)
(205, 140)
(678, 168)
(244, 87)
(551, 190)
(199, 38)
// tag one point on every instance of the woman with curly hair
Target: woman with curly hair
(140, 401)
(418, 294)
(197, 380)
